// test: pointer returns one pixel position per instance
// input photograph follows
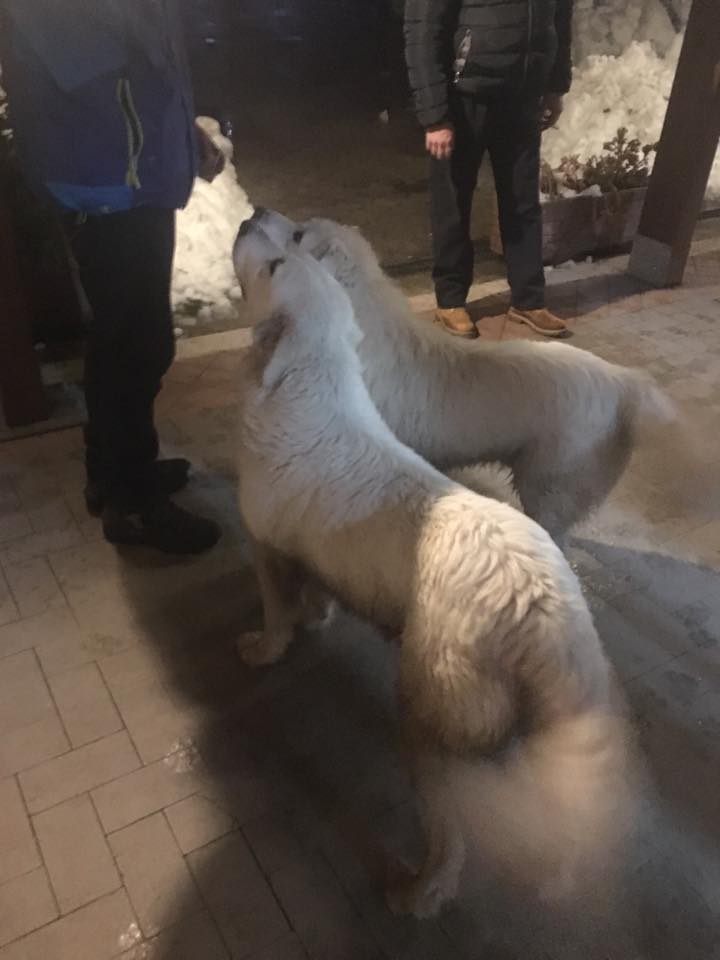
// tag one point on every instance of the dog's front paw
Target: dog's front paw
(257, 649)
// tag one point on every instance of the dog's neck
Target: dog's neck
(302, 357)
(304, 345)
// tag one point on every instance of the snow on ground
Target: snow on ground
(630, 90)
(204, 286)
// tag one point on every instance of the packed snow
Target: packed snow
(629, 90)
(610, 26)
(204, 286)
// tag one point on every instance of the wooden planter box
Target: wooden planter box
(582, 226)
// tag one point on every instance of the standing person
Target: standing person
(102, 114)
(488, 75)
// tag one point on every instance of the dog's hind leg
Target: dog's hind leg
(279, 582)
(437, 882)
(551, 504)
(558, 495)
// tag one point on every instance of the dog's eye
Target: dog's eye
(274, 264)
(298, 235)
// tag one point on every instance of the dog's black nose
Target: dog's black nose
(245, 227)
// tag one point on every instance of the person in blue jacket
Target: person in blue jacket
(102, 112)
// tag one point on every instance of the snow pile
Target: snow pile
(610, 26)
(204, 286)
(630, 90)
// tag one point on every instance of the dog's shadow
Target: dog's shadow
(302, 758)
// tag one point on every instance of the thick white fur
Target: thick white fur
(564, 420)
(495, 635)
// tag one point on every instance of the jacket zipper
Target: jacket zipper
(135, 133)
(461, 55)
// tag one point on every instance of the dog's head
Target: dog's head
(342, 250)
(279, 228)
(290, 295)
(257, 257)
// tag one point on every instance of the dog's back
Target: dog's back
(565, 420)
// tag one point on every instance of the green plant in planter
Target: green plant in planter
(570, 175)
(623, 165)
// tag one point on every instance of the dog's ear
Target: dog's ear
(267, 336)
(322, 250)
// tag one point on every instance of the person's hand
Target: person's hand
(212, 159)
(551, 108)
(440, 141)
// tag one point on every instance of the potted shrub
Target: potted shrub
(592, 206)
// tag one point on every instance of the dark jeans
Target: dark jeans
(125, 261)
(510, 131)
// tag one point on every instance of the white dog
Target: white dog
(564, 420)
(496, 638)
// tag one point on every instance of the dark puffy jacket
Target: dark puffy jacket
(485, 48)
(100, 101)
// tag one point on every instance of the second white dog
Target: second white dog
(496, 639)
(564, 420)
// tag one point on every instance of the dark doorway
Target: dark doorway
(316, 93)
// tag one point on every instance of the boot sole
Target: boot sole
(555, 334)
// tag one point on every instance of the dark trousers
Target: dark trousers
(510, 132)
(125, 262)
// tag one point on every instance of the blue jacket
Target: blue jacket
(100, 101)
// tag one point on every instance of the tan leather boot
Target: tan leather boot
(456, 321)
(541, 321)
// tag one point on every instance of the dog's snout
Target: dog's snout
(245, 227)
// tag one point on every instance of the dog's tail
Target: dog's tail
(579, 768)
(647, 406)
(664, 434)
(557, 813)
(554, 806)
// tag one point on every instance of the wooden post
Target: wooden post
(685, 155)
(21, 390)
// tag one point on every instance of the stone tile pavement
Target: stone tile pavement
(160, 802)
